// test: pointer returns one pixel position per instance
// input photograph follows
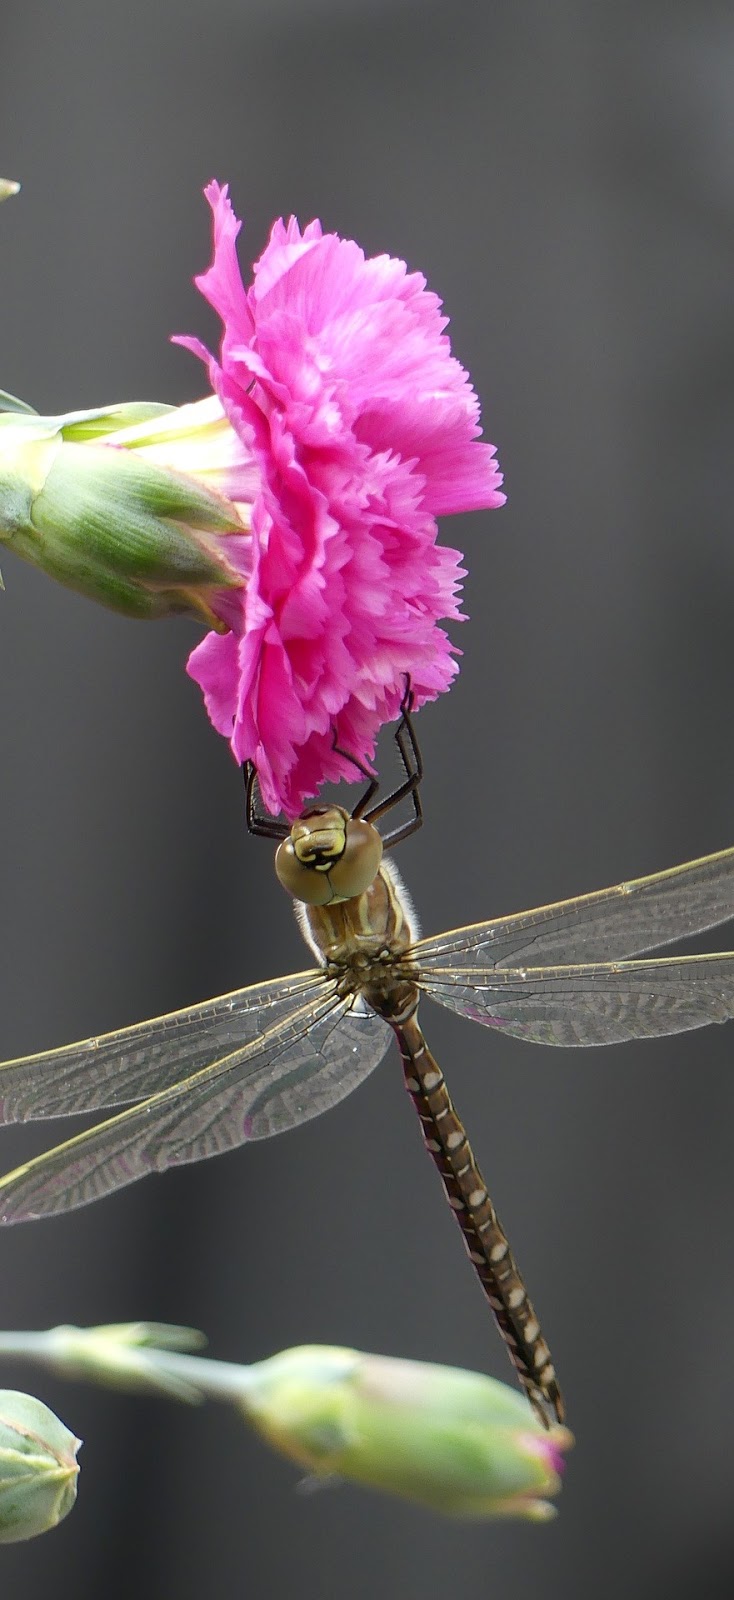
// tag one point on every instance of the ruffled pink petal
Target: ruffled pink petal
(222, 284)
(337, 373)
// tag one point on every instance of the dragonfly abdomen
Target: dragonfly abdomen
(484, 1238)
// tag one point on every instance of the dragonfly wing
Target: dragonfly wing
(303, 1065)
(606, 1003)
(607, 926)
(135, 1062)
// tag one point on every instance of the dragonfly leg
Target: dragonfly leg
(405, 737)
(410, 755)
(486, 1243)
(373, 783)
(257, 823)
(407, 742)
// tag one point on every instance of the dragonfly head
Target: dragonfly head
(328, 856)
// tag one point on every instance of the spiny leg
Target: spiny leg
(373, 782)
(405, 737)
(410, 755)
(486, 1243)
(266, 827)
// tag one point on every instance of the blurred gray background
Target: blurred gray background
(564, 176)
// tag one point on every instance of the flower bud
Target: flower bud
(38, 1467)
(98, 499)
(455, 1441)
(7, 188)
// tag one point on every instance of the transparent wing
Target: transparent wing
(606, 926)
(135, 1062)
(303, 1065)
(593, 1004)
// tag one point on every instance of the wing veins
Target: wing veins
(625, 920)
(592, 1003)
(288, 1032)
(132, 1063)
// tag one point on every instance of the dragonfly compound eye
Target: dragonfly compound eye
(328, 856)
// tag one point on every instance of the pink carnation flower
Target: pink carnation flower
(337, 376)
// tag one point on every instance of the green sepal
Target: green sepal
(10, 402)
(116, 1355)
(136, 536)
(82, 426)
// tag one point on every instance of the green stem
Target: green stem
(63, 1350)
(33, 1345)
(217, 1380)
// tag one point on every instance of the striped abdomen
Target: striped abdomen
(484, 1238)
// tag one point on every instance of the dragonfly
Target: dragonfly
(262, 1059)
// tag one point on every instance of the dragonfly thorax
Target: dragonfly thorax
(366, 942)
(328, 857)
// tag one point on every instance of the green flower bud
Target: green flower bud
(456, 1441)
(38, 1467)
(98, 499)
(8, 187)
